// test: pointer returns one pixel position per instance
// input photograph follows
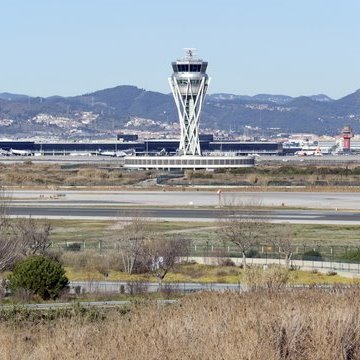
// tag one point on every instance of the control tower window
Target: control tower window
(183, 67)
(195, 67)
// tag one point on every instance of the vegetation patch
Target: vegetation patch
(39, 275)
(301, 324)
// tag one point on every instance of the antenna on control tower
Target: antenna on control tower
(190, 53)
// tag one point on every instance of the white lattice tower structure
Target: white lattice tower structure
(189, 83)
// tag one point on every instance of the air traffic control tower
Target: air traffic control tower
(189, 83)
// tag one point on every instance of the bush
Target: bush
(353, 255)
(252, 253)
(227, 262)
(331, 273)
(312, 255)
(39, 275)
(199, 175)
(73, 247)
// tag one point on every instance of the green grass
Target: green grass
(90, 230)
(78, 230)
(327, 234)
(203, 234)
(301, 234)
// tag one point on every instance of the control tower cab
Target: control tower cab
(189, 83)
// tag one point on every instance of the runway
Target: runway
(295, 207)
(291, 199)
(113, 213)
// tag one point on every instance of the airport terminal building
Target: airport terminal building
(151, 147)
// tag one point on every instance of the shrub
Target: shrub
(252, 253)
(73, 247)
(227, 262)
(331, 273)
(221, 273)
(312, 255)
(39, 275)
(353, 255)
(199, 175)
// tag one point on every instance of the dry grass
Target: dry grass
(278, 175)
(29, 173)
(305, 324)
(260, 178)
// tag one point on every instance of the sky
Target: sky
(72, 47)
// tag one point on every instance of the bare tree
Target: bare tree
(132, 244)
(9, 244)
(166, 253)
(19, 237)
(244, 231)
(33, 236)
(9, 251)
(282, 240)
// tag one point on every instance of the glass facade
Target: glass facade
(147, 146)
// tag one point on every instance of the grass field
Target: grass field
(99, 241)
(107, 231)
(203, 274)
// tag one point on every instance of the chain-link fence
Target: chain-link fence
(299, 252)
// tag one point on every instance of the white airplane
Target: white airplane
(162, 152)
(108, 153)
(20, 152)
(121, 153)
(80, 154)
(118, 153)
(310, 152)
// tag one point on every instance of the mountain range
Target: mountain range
(112, 110)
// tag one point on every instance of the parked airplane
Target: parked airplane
(118, 153)
(162, 152)
(315, 152)
(20, 152)
(80, 154)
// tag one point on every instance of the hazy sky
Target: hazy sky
(70, 47)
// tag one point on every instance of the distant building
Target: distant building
(127, 137)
